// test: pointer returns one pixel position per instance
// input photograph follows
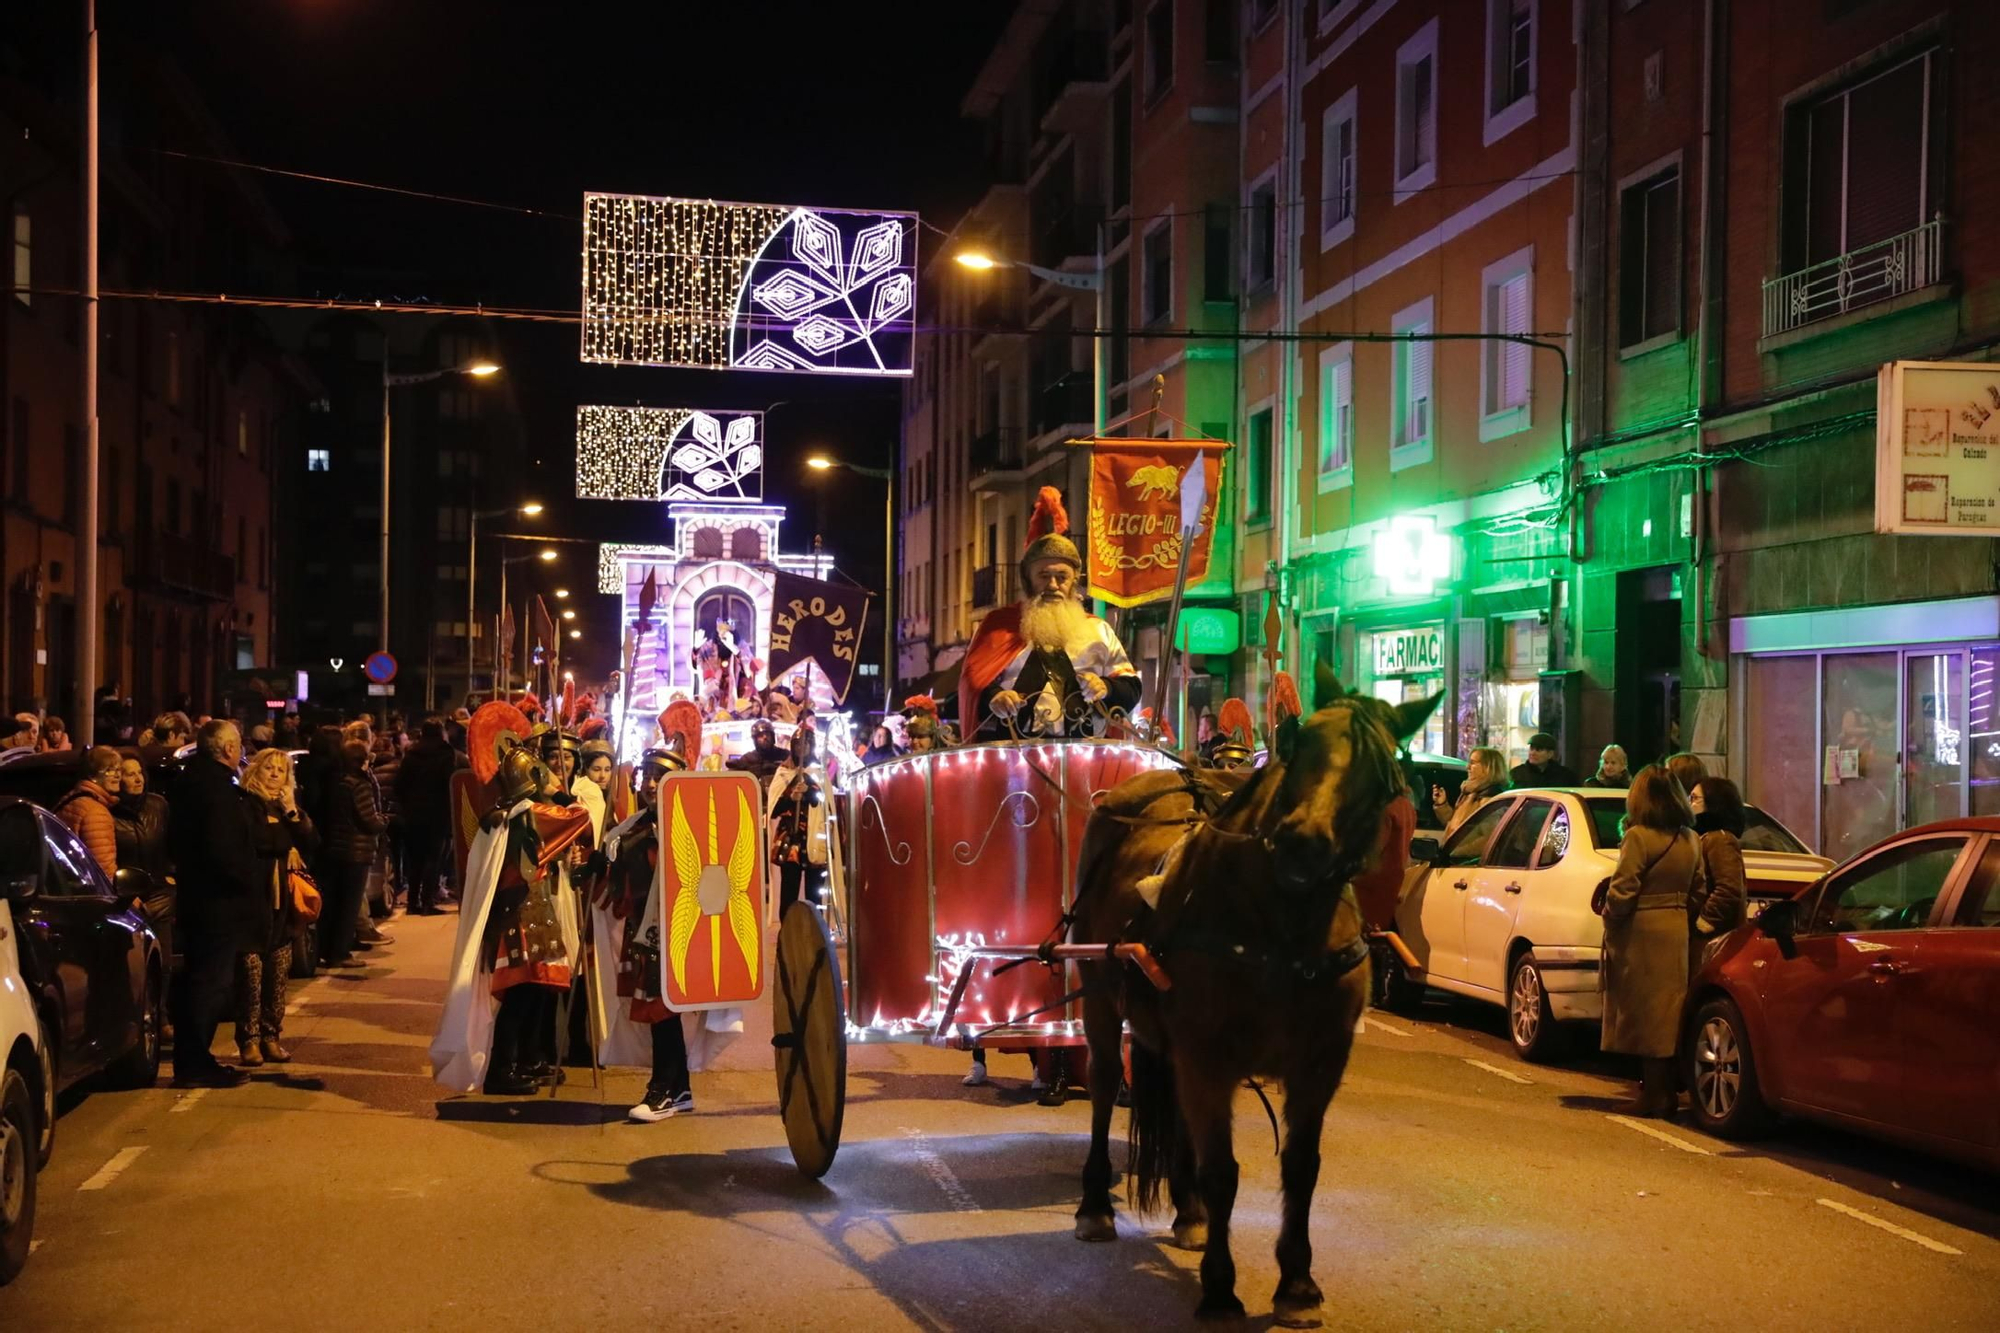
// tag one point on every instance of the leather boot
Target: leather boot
(248, 1055)
(509, 1081)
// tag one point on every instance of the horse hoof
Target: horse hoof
(1099, 1226)
(1219, 1307)
(1190, 1235)
(1291, 1314)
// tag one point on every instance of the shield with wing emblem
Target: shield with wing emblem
(711, 890)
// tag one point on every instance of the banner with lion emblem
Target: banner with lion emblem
(710, 900)
(1135, 515)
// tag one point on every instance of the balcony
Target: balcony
(1879, 272)
(1066, 404)
(1074, 75)
(993, 586)
(176, 564)
(1062, 237)
(994, 459)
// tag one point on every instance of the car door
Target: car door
(1948, 998)
(1446, 887)
(1831, 1009)
(1497, 888)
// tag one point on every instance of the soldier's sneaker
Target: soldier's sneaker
(662, 1105)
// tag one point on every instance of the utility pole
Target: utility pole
(87, 608)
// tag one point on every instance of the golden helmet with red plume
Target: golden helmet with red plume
(681, 725)
(496, 728)
(1048, 528)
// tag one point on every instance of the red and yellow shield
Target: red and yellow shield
(470, 799)
(711, 890)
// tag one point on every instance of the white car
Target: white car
(22, 1073)
(1501, 911)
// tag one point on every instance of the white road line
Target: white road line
(34, 1245)
(1370, 1021)
(1655, 1133)
(112, 1169)
(1507, 1074)
(1937, 1246)
(187, 1100)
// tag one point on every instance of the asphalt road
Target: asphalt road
(1460, 1190)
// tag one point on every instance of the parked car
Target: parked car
(22, 1074)
(90, 963)
(1866, 1000)
(1501, 910)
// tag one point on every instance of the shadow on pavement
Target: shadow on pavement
(541, 1110)
(1019, 1279)
(1959, 1195)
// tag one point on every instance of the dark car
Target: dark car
(1434, 770)
(1867, 999)
(89, 960)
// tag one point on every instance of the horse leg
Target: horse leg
(1205, 1101)
(1102, 1029)
(1190, 1217)
(1308, 1091)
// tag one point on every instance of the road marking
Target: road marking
(1370, 1021)
(187, 1100)
(1937, 1246)
(34, 1245)
(1507, 1074)
(1655, 1133)
(112, 1169)
(940, 1172)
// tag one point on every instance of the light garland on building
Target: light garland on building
(694, 282)
(669, 453)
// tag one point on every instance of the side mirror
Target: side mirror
(132, 884)
(1426, 851)
(19, 888)
(1780, 921)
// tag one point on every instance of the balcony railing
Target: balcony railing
(1878, 272)
(992, 586)
(998, 450)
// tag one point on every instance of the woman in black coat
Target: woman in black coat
(352, 832)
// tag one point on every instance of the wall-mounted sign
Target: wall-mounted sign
(1412, 556)
(722, 286)
(1937, 448)
(1209, 629)
(1409, 652)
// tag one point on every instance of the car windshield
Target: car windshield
(1761, 833)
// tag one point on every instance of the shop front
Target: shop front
(1854, 724)
(1406, 662)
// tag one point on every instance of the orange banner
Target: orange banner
(1135, 515)
(711, 898)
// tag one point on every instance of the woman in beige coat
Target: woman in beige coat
(1645, 967)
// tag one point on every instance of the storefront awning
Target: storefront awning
(1954, 620)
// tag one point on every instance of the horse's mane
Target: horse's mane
(1373, 749)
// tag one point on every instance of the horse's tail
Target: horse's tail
(1153, 1126)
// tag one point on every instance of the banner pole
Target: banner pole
(1167, 652)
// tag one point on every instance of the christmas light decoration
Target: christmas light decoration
(694, 282)
(669, 453)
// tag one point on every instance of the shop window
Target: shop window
(1649, 259)
(1781, 757)
(1858, 727)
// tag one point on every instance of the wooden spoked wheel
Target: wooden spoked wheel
(809, 1039)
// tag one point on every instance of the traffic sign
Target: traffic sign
(381, 668)
(379, 691)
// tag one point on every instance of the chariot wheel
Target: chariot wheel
(809, 1039)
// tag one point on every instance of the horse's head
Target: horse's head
(1336, 772)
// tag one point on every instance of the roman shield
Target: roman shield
(711, 890)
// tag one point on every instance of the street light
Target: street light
(477, 369)
(576, 634)
(887, 476)
(561, 593)
(526, 510)
(569, 615)
(546, 554)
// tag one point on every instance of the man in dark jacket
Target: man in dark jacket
(218, 898)
(349, 840)
(423, 803)
(764, 755)
(1542, 770)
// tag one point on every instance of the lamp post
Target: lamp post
(528, 510)
(887, 476)
(477, 369)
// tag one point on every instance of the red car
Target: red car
(1869, 999)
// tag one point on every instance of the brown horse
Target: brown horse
(1253, 919)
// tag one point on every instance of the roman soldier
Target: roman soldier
(1234, 743)
(510, 963)
(1045, 667)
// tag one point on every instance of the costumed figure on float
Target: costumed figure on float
(510, 964)
(1045, 667)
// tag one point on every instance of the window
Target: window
(319, 460)
(1649, 259)
(1516, 847)
(1506, 368)
(242, 433)
(1219, 30)
(1257, 469)
(1260, 259)
(707, 543)
(1555, 840)
(1159, 49)
(1416, 112)
(1217, 270)
(1336, 416)
(1410, 441)
(1510, 65)
(24, 255)
(1336, 189)
(72, 873)
(1157, 295)
(1895, 890)
(1467, 847)
(746, 543)
(1980, 904)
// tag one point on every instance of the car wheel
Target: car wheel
(45, 1122)
(1721, 1074)
(17, 1173)
(1393, 988)
(1530, 1024)
(140, 1066)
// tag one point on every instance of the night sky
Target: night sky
(531, 104)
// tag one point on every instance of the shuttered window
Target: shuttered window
(1507, 363)
(1865, 152)
(1336, 423)
(1415, 396)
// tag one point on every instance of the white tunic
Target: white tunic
(1099, 654)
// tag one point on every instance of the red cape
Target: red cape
(993, 646)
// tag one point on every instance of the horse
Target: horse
(1238, 885)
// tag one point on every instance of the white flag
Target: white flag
(1194, 493)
